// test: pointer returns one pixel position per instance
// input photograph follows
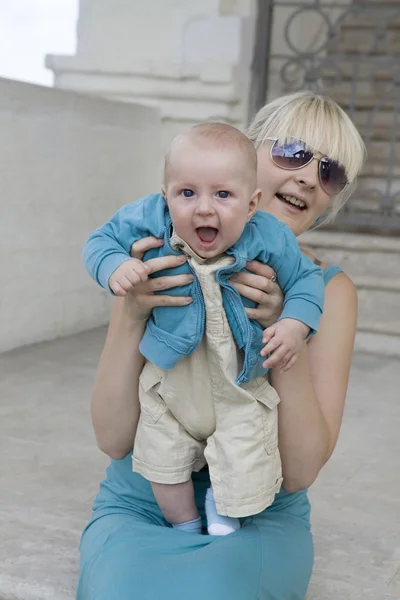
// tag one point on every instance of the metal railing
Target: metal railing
(351, 50)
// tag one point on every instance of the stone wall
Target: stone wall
(190, 59)
(67, 163)
(373, 264)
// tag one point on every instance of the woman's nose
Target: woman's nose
(308, 175)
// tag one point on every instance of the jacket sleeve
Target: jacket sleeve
(301, 282)
(109, 245)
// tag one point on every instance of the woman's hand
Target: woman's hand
(115, 403)
(139, 303)
(261, 287)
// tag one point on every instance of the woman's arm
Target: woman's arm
(115, 404)
(313, 391)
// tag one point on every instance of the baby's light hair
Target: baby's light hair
(221, 136)
(322, 124)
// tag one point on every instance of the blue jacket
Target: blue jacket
(174, 332)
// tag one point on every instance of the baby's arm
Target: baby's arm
(284, 339)
(127, 276)
(108, 248)
(302, 283)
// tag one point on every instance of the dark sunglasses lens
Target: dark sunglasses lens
(333, 176)
(291, 155)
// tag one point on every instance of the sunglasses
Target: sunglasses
(296, 154)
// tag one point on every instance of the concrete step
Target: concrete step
(377, 3)
(366, 183)
(378, 305)
(52, 470)
(373, 264)
(367, 204)
(380, 169)
(372, 342)
(362, 223)
(360, 256)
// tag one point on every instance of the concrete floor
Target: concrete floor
(50, 469)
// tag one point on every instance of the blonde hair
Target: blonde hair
(220, 135)
(313, 118)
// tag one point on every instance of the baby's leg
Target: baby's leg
(218, 524)
(177, 504)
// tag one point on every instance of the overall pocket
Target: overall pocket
(152, 404)
(268, 401)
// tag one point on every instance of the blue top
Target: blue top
(174, 332)
(329, 272)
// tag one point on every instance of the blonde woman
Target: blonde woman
(309, 156)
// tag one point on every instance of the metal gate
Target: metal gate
(350, 50)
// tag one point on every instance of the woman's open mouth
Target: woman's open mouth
(207, 236)
(296, 203)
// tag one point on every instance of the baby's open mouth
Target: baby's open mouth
(207, 235)
(292, 200)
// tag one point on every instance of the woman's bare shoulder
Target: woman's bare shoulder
(342, 290)
(324, 265)
(315, 260)
(339, 286)
(340, 308)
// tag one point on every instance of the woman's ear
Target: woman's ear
(254, 202)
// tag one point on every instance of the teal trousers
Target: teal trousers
(129, 552)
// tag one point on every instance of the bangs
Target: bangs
(321, 124)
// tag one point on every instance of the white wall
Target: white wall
(67, 163)
(189, 58)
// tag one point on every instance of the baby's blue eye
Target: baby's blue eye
(223, 194)
(187, 193)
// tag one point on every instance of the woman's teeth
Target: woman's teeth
(293, 200)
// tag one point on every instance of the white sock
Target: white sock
(218, 524)
(193, 526)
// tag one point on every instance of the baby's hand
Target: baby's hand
(127, 276)
(283, 341)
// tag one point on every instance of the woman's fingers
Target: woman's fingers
(151, 300)
(260, 269)
(256, 282)
(166, 282)
(141, 246)
(165, 262)
(258, 296)
(158, 284)
(259, 314)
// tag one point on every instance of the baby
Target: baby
(203, 391)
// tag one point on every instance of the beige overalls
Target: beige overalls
(196, 413)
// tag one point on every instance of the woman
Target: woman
(128, 551)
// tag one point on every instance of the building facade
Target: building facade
(222, 59)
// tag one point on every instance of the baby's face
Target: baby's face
(210, 196)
